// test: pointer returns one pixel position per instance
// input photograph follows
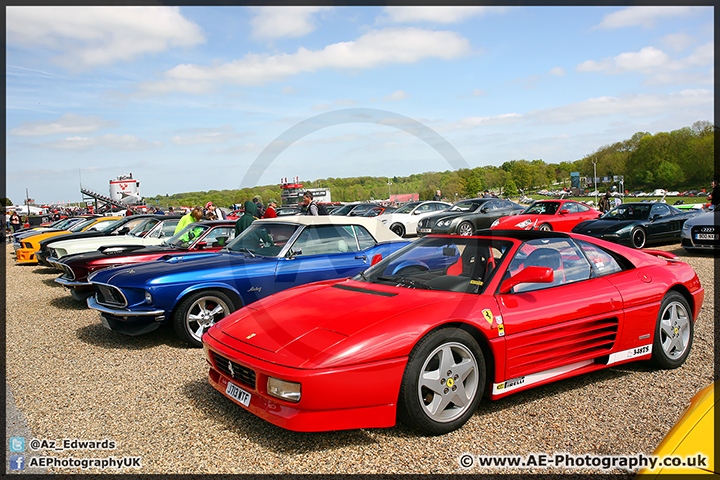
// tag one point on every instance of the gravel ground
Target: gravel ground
(71, 378)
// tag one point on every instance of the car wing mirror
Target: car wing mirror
(200, 245)
(655, 217)
(123, 231)
(528, 275)
(564, 212)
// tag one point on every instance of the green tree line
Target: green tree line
(679, 160)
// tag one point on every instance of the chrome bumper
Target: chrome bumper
(122, 312)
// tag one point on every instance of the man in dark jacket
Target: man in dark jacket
(604, 203)
(715, 194)
(247, 218)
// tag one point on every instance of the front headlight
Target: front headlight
(284, 390)
(148, 298)
(524, 224)
(58, 252)
(444, 223)
(495, 223)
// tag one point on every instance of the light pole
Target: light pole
(388, 184)
(594, 160)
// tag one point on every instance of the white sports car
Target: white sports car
(404, 220)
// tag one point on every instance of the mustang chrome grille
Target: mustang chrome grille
(67, 271)
(234, 370)
(107, 295)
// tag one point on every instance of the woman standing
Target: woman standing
(14, 222)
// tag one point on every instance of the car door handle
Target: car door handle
(361, 257)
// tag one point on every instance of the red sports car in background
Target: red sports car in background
(425, 333)
(557, 215)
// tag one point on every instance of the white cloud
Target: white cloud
(647, 16)
(284, 22)
(375, 48)
(321, 107)
(678, 41)
(701, 56)
(472, 122)
(629, 105)
(435, 14)
(478, 93)
(345, 102)
(646, 59)
(207, 135)
(289, 91)
(67, 124)
(87, 37)
(655, 63)
(110, 141)
(557, 71)
(395, 96)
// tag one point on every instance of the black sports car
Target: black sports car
(638, 224)
(466, 216)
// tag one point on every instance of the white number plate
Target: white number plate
(706, 236)
(424, 230)
(238, 394)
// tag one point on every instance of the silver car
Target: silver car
(702, 232)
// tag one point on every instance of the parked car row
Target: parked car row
(299, 317)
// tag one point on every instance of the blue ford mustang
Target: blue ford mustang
(193, 291)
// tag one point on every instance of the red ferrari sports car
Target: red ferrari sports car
(424, 334)
(558, 215)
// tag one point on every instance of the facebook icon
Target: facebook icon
(17, 462)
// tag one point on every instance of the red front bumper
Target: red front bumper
(356, 396)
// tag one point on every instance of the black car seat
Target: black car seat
(550, 258)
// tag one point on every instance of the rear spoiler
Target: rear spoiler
(662, 253)
(119, 248)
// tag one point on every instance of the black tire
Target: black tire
(638, 237)
(398, 229)
(465, 229)
(455, 351)
(674, 332)
(545, 227)
(199, 311)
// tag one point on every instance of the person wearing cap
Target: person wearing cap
(270, 210)
(212, 212)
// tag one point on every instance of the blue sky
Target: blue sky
(189, 98)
